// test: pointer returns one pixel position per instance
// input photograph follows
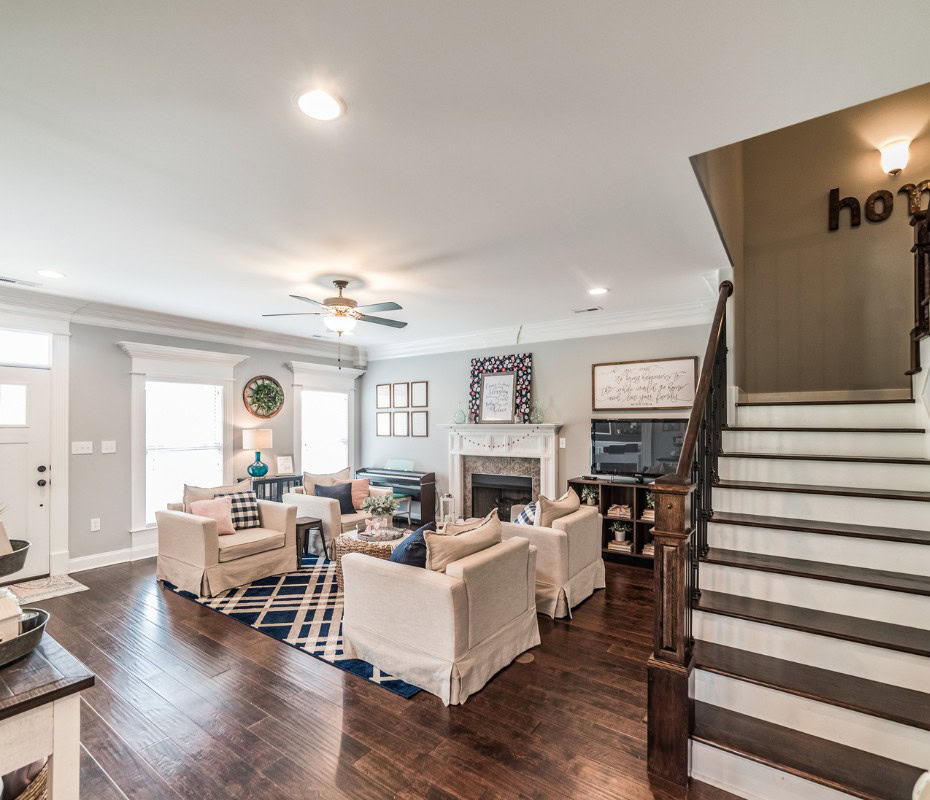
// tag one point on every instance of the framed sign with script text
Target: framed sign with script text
(648, 385)
(498, 396)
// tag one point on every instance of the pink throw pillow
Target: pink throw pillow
(360, 490)
(220, 509)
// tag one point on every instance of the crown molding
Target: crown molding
(68, 310)
(158, 360)
(584, 326)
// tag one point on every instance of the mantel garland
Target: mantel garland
(496, 446)
(521, 365)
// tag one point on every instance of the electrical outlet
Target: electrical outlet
(82, 448)
(561, 442)
(95, 524)
(107, 446)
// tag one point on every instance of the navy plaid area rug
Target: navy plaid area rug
(302, 609)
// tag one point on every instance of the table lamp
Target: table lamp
(257, 439)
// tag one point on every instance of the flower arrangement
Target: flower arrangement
(380, 505)
(650, 500)
(589, 495)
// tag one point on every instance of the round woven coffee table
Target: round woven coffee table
(351, 542)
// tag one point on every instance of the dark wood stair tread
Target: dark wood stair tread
(827, 528)
(814, 429)
(919, 462)
(825, 402)
(823, 623)
(821, 570)
(838, 766)
(882, 700)
(839, 491)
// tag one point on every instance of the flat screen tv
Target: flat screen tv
(636, 448)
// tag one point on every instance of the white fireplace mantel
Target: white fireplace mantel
(505, 441)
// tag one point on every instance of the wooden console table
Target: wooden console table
(40, 715)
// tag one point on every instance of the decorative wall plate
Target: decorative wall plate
(263, 396)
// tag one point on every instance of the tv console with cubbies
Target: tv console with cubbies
(638, 525)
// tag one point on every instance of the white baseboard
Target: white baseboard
(144, 544)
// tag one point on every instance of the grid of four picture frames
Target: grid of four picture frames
(396, 398)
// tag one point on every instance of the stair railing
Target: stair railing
(683, 508)
(921, 250)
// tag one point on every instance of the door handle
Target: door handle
(41, 482)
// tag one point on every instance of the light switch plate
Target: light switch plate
(95, 524)
(561, 442)
(82, 448)
(107, 446)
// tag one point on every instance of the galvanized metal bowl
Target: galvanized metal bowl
(32, 626)
(13, 562)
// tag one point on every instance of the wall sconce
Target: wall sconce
(894, 156)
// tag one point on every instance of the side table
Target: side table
(304, 526)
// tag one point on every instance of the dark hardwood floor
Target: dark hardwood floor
(191, 704)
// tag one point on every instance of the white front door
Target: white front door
(24, 464)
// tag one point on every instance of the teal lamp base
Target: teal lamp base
(258, 469)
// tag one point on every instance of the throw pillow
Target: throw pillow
(244, 510)
(412, 550)
(338, 491)
(442, 549)
(220, 509)
(455, 528)
(548, 511)
(527, 516)
(311, 480)
(360, 491)
(192, 493)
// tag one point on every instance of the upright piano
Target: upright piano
(419, 486)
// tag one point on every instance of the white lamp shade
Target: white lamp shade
(256, 439)
(340, 323)
(894, 156)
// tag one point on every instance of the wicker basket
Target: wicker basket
(37, 788)
(351, 544)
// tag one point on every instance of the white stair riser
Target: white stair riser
(874, 663)
(863, 475)
(825, 508)
(898, 608)
(864, 415)
(892, 740)
(746, 778)
(851, 551)
(890, 445)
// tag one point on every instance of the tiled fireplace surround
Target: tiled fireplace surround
(502, 449)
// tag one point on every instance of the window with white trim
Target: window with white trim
(183, 440)
(324, 426)
(25, 349)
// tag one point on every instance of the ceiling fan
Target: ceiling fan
(341, 314)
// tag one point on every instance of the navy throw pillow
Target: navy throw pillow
(412, 551)
(338, 491)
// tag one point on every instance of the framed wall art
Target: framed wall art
(419, 394)
(284, 465)
(383, 395)
(383, 423)
(498, 397)
(419, 423)
(521, 365)
(401, 423)
(647, 385)
(401, 395)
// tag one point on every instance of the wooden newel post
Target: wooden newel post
(669, 666)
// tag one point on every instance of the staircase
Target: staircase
(811, 658)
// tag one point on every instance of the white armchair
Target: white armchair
(195, 558)
(569, 563)
(327, 510)
(447, 633)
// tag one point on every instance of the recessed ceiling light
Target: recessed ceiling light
(597, 290)
(50, 273)
(321, 105)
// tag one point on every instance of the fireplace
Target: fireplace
(499, 491)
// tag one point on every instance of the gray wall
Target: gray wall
(561, 383)
(100, 409)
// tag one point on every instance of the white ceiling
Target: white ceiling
(497, 159)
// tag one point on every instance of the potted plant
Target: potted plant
(589, 495)
(621, 531)
(381, 507)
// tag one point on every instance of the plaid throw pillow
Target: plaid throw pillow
(527, 516)
(244, 510)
